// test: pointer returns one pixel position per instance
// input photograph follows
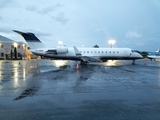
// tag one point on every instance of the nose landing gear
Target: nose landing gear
(133, 63)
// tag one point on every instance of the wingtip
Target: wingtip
(19, 32)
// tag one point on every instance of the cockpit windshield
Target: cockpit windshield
(133, 50)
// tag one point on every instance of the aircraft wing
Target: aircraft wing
(90, 59)
(85, 58)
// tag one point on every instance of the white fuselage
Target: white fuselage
(82, 54)
(101, 53)
(153, 56)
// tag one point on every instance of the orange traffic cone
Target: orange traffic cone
(77, 67)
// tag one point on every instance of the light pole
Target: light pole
(15, 44)
(111, 42)
(60, 43)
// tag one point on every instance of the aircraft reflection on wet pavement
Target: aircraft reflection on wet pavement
(55, 89)
(18, 72)
(21, 70)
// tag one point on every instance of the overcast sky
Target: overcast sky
(132, 23)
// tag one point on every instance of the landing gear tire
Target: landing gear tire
(133, 63)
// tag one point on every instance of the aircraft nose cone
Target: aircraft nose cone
(140, 56)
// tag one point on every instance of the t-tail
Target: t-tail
(31, 39)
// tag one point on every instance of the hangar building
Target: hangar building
(10, 49)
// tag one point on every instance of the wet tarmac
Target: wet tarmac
(47, 89)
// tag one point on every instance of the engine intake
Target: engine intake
(62, 49)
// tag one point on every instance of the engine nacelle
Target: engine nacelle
(61, 49)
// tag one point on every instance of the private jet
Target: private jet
(154, 55)
(83, 54)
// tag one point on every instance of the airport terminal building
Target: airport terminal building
(10, 49)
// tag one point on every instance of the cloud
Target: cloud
(140, 43)
(61, 18)
(5, 28)
(5, 3)
(133, 34)
(1, 18)
(50, 8)
(43, 10)
(98, 30)
(41, 32)
(135, 38)
(31, 8)
(46, 10)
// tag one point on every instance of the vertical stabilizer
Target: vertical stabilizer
(31, 39)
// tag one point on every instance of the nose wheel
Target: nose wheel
(133, 62)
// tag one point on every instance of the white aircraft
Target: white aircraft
(154, 55)
(82, 54)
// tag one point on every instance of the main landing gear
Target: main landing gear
(84, 62)
(133, 63)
